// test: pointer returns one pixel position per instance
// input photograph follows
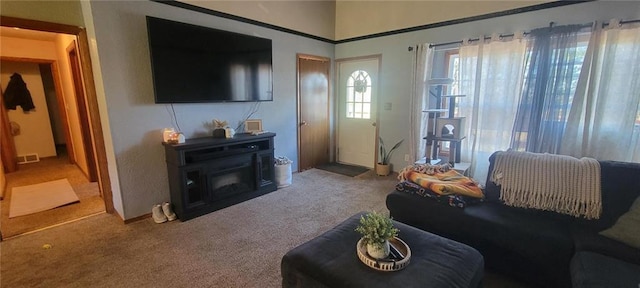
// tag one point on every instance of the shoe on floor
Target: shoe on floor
(166, 208)
(158, 214)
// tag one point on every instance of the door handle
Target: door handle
(303, 123)
(373, 124)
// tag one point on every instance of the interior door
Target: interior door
(313, 115)
(357, 94)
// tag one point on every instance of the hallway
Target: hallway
(48, 169)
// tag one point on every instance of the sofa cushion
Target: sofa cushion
(620, 187)
(594, 242)
(535, 234)
(627, 228)
(589, 269)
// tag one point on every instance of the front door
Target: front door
(357, 93)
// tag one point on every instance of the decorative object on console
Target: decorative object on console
(376, 230)
(229, 132)
(166, 134)
(383, 168)
(253, 126)
(219, 129)
(176, 138)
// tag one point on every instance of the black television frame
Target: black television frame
(216, 66)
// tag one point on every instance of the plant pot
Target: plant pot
(383, 169)
(377, 252)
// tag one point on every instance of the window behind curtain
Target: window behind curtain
(552, 68)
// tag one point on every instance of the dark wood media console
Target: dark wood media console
(208, 174)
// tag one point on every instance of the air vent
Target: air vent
(28, 158)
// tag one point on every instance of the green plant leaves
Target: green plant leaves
(384, 155)
(376, 228)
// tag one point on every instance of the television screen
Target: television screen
(194, 64)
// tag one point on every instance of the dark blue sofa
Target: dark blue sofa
(538, 247)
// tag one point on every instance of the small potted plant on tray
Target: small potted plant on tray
(376, 229)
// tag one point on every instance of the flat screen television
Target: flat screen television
(195, 64)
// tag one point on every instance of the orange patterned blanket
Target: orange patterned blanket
(446, 183)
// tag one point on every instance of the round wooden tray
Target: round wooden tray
(385, 264)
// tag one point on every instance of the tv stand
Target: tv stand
(208, 174)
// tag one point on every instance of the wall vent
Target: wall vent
(28, 158)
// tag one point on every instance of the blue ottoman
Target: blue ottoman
(330, 260)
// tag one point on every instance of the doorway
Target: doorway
(92, 182)
(313, 111)
(357, 110)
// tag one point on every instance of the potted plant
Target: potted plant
(383, 168)
(376, 230)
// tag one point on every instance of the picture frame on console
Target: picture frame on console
(253, 126)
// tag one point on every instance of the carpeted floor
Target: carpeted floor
(49, 169)
(239, 246)
(343, 169)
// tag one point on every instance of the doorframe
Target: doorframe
(298, 100)
(85, 128)
(59, 99)
(377, 57)
(104, 181)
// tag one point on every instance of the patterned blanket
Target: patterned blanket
(447, 183)
(440, 180)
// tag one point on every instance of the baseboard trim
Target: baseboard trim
(136, 219)
(55, 225)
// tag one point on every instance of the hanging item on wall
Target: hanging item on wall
(17, 94)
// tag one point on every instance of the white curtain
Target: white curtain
(604, 119)
(491, 76)
(423, 58)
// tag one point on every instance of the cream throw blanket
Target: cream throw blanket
(550, 182)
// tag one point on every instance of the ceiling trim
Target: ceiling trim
(466, 19)
(543, 6)
(39, 25)
(241, 19)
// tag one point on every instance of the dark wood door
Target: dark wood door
(313, 111)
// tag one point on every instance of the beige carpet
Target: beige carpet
(239, 246)
(49, 169)
(40, 197)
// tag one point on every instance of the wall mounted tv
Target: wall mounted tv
(195, 64)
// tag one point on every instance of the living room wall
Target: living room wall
(396, 70)
(136, 122)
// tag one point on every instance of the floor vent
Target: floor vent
(28, 158)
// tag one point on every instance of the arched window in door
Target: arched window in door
(359, 95)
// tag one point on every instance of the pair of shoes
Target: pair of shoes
(163, 213)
